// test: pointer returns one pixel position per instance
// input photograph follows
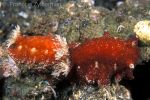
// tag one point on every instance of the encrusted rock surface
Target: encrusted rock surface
(77, 22)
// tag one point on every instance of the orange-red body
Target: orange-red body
(36, 49)
(97, 60)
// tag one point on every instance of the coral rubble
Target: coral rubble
(115, 92)
(35, 60)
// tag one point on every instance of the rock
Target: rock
(114, 92)
(142, 30)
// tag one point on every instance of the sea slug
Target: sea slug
(43, 50)
(99, 59)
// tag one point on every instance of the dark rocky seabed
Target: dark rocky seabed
(39, 17)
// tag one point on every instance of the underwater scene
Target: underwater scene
(74, 49)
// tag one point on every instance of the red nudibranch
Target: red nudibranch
(98, 60)
(42, 50)
(38, 49)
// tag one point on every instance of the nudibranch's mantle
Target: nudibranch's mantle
(38, 49)
(43, 50)
(97, 60)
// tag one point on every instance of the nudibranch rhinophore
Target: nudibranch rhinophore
(100, 59)
(142, 30)
(46, 50)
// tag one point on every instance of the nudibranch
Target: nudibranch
(46, 50)
(100, 59)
